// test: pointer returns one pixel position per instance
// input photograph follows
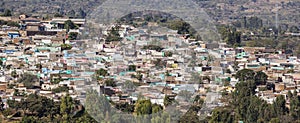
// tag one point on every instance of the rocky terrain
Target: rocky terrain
(222, 11)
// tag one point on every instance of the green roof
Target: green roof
(131, 38)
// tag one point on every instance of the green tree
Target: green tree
(221, 115)
(125, 107)
(295, 106)
(98, 106)
(101, 72)
(14, 74)
(245, 74)
(131, 67)
(7, 13)
(113, 34)
(65, 47)
(189, 117)
(28, 119)
(28, 80)
(1, 104)
(66, 107)
(279, 105)
(143, 107)
(70, 25)
(72, 35)
(60, 89)
(156, 108)
(168, 100)
(1, 62)
(274, 120)
(253, 110)
(260, 78)
(181, 27)
(110, 82)
(230, 35)
(58, 15)
(254, 22)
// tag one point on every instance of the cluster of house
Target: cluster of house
(158, 61)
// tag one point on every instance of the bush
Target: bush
(28, 80)
(153, 47)
(7, 112)
(66, 47)
(110, 82)
(72, 35)
(61, 89)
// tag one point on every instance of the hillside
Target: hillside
(223, 11)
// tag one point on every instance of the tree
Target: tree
(113, 34)
(70, 25)
(295, 105)
(66, 107)
(168, 100)
(101, 72)
(110, 82)
(131, 67)
(1, 62)
(254, 22)
(253, 109)
(156, 108)
(28, 119)
(61, 89)
(7, 13)
(28, 80)
(1, 104)
(153, 47)
(65, 47)
(72, 35)
(168, 54)
(260, 78)
(189, 117)
(143, 107)
(245, 74)
(14, 74)
(40, 105)
(58, 15)
(98, 106)
(125, 107)
(279, 105)
(181, 27)
(230, 35)
(221, 115)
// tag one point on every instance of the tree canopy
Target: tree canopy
(7, 13)
(28, 80)
(113, 34)
(70, 25)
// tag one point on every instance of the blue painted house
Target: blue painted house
(13, 35)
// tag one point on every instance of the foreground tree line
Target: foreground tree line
(240, 105)
(39, 109)
(244, 105)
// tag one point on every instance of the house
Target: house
(34, 27)
(13, 34)
(3, 87)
